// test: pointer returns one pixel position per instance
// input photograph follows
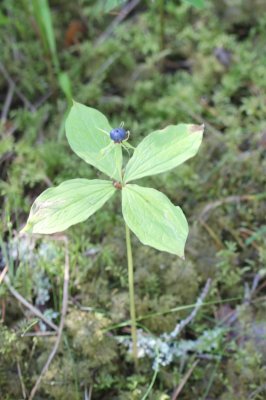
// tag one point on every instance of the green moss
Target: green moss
(129, 80)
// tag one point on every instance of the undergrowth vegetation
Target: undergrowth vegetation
(164, 63)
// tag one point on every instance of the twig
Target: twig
(7, 103)
(88, 394)
(255, 283)
(39, 334)
(163, 348)
(117, 20)
(11, 82)
(181, 325)
(203, 216)
(208, 357)
(186, 377)
(43, 99)
(213, 235)
(61, 325)
(21, 381)
(225, 227)
(3, 273)
(104, 67)
(28, 305)
(257, 391)
(249, 292)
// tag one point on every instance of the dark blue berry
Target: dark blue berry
(118, 135)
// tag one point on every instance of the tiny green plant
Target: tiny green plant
(147, 212)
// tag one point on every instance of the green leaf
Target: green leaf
(71, 202)
(154, 219)
(84, 130)
(163, 150)
(196, 3)
(42, 13)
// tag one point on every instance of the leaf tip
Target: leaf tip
(197, 128)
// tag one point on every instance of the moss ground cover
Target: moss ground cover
(209, 68)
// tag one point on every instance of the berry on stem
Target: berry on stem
(118, 135)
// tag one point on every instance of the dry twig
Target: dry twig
(260, 389)
(61, 325)
(7, 103)
(24, 394)
(186, 377)
(88, 394)
(12, 83)
(39, 334)
(117, 20)
(181, 325)
(249, 291)
(3, 274)
(204, 215)
(28, 305)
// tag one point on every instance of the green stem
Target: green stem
(131, 296)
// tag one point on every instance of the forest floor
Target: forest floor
(149, 64)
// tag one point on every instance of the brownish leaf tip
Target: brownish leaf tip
(196, 128)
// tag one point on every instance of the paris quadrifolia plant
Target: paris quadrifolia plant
(147, 212)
